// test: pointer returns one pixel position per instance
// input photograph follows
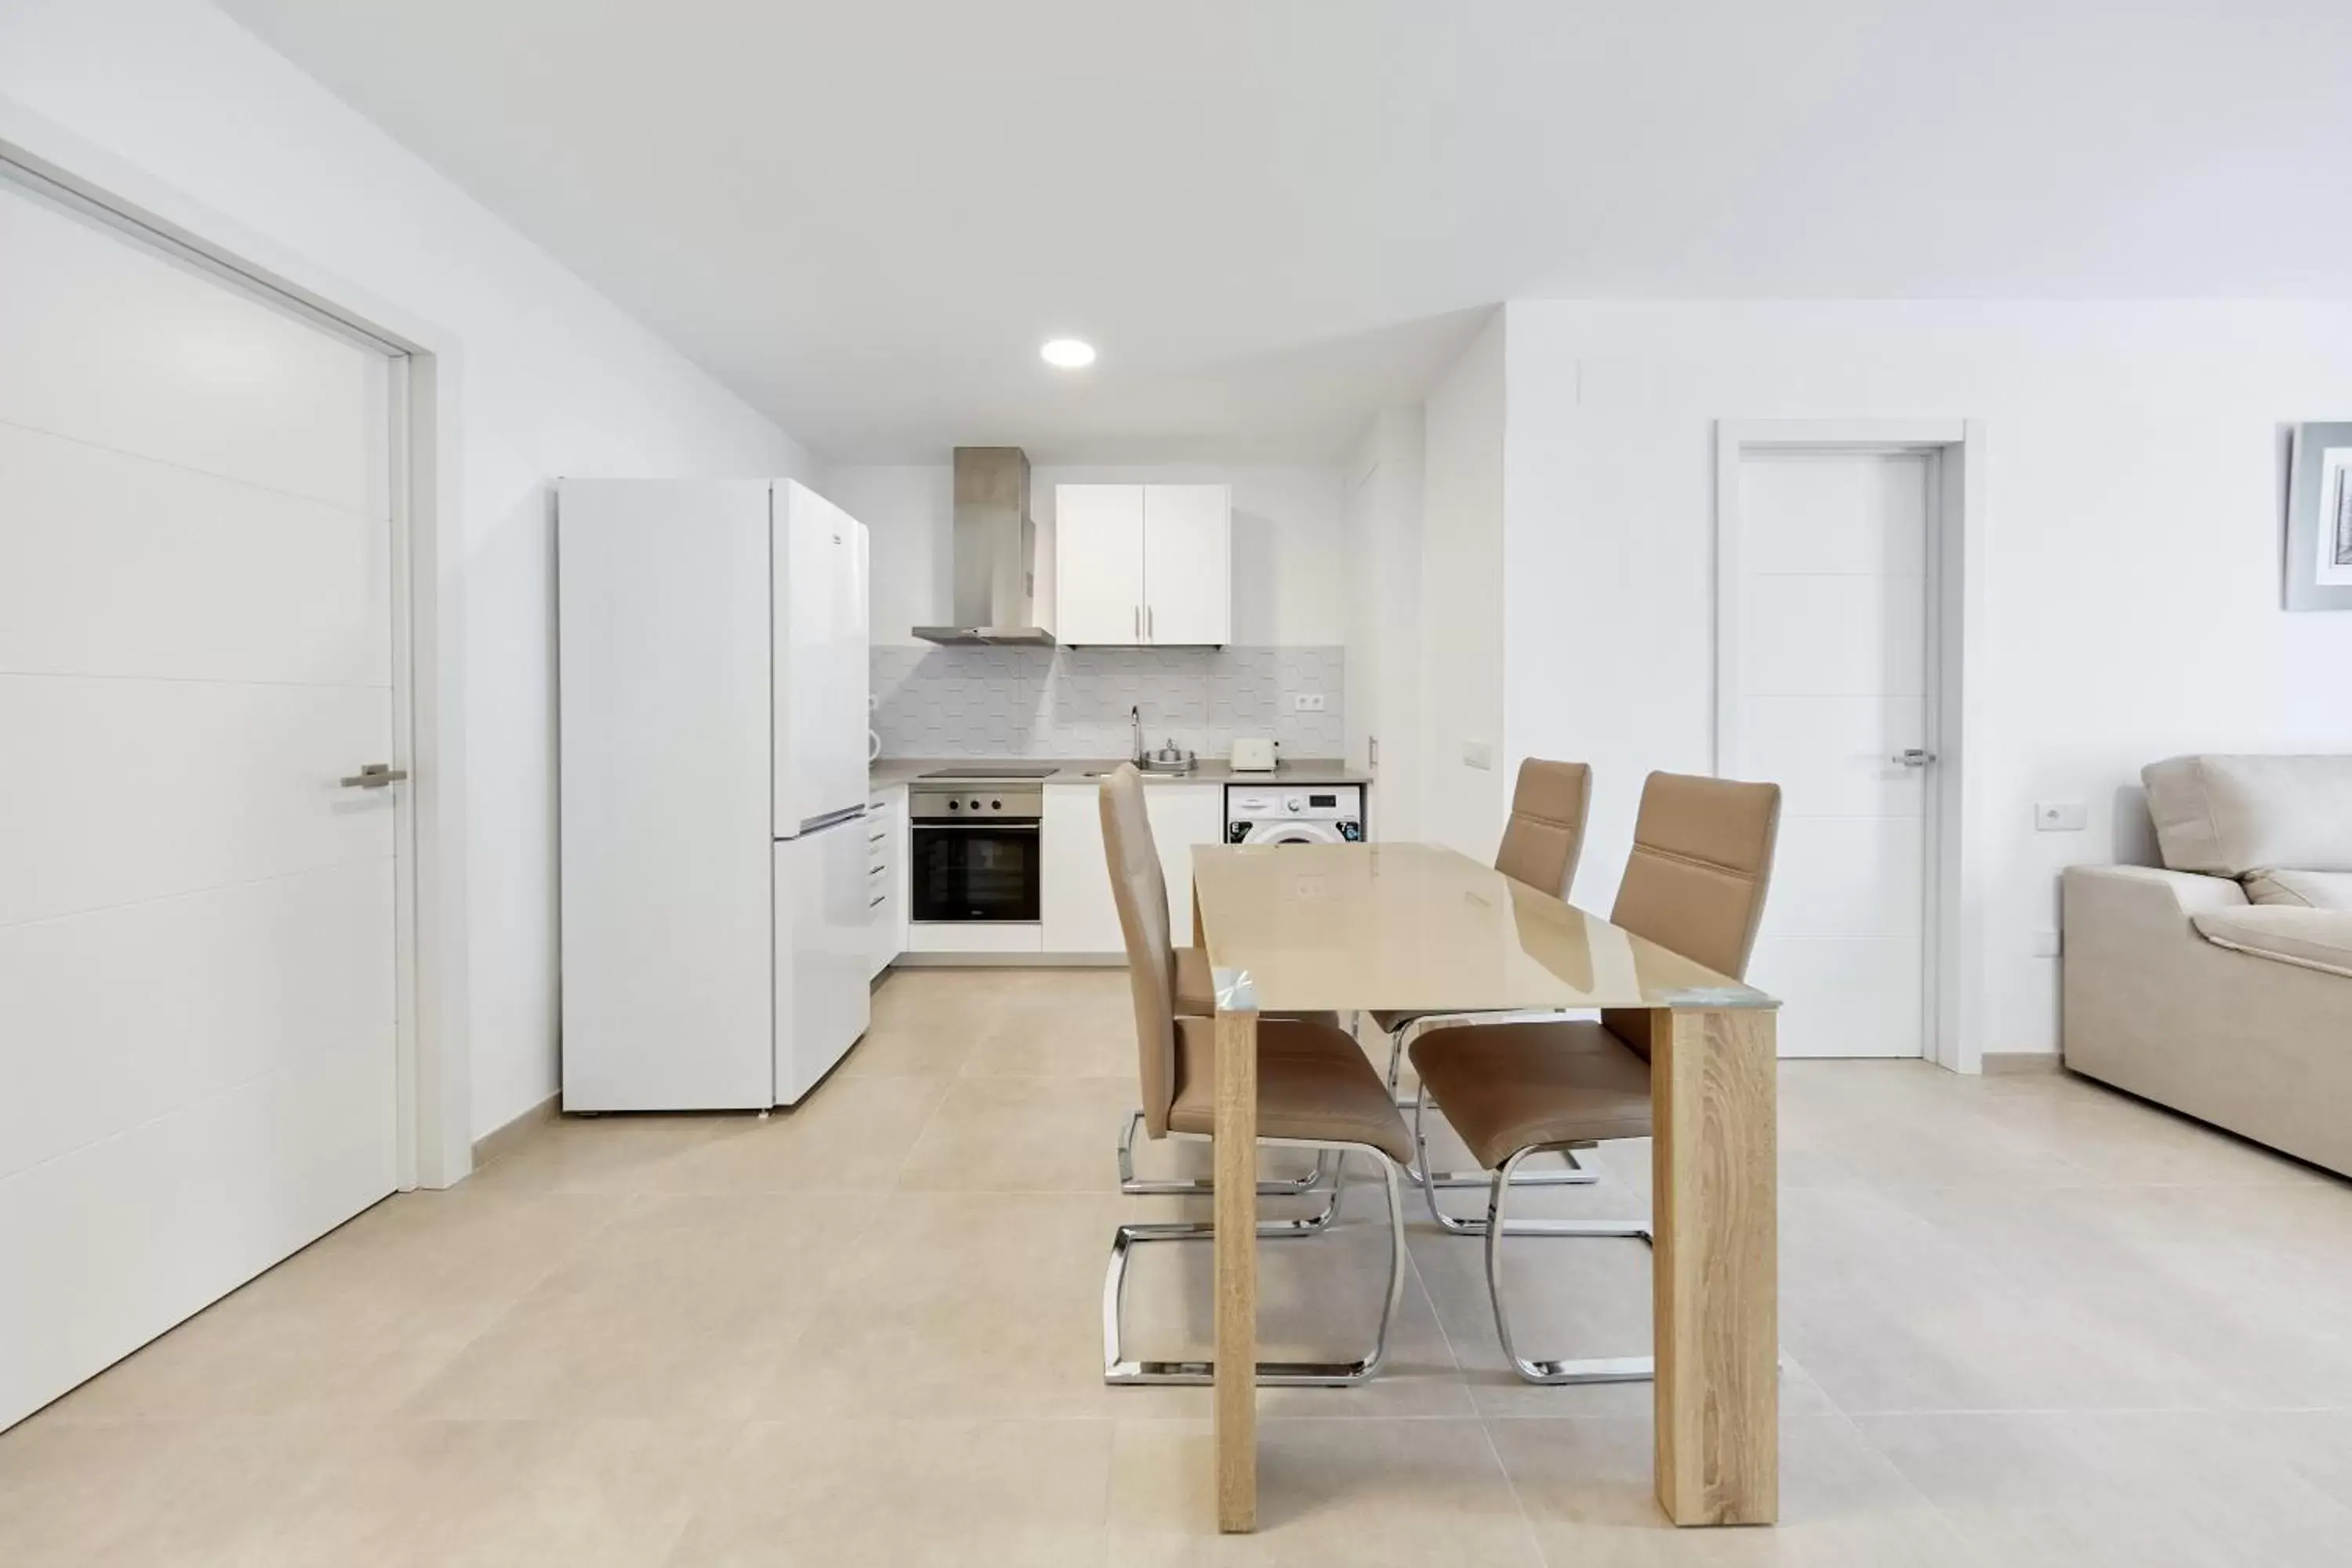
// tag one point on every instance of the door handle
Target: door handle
(1147, 623)
(375, 775)
(1913, 757)
(1139, 622)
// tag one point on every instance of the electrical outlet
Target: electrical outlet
(2061, 816)
(2046, 944)
(1478, 754)
(1306, 702)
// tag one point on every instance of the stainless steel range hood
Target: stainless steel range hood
(995, 548)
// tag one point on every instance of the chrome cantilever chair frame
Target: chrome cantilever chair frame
(1495, 1225)
(1134, 1186)
(1120, 1369)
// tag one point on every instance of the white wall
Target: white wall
(1462, 657)
(1289, 588)
(2134, 492)
(1383, 651)
(552, 379)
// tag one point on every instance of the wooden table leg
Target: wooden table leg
(1235, 1171)
(1714, 1087)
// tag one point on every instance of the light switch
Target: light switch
(2046, 944)
(2061, 816)
(1477, 753)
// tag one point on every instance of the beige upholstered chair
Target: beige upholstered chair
(1702, 862)
(1315, 1091)
(1542, 841)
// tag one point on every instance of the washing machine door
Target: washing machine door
(1294, 833)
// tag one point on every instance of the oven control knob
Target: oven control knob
(953, 804)
(975, 805)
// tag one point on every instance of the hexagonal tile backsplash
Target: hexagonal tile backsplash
(1073, 702)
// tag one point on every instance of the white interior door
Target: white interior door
(1188, 595)
(1099, 563)
(197, 1031)
(1832, 684)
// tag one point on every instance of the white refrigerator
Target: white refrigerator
(712, 664)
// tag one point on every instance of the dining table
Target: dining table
(1420, 928)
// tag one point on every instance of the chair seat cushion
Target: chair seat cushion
(1508, 1087)
(1196, 990)
(2315, 938)
(1314, 1083)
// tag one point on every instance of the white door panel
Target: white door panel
(132, 566)
(1846, 876)
(155, 788)
(233, 983)
(197, 987)
(1844, 996)
(1832, 756)
(116, 1242)
(1076, 905)
(1847, 637)
(112, 345)
(1831, 681)
(1182, 816)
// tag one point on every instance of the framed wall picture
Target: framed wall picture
(2319, 519)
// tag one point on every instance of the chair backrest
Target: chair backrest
(1545, 835)
(1702, 864)
(1140, 889)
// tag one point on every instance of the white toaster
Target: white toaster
(1252, 755)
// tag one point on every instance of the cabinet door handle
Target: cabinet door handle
(1147, 623)
(1139, 622)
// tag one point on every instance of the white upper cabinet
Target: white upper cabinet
(1099, 563)
(1139, 564)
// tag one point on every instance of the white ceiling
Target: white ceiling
(1273, 216)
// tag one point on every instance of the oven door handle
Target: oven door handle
(1002, 825)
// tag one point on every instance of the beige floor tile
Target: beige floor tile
(150, 1492)
(684, 1307)
(1022, 1135)
(609, 1155)
(910, 1045)
(972, 1306)
(2135, 1489)
(1085, 1028)
(357, 1321)
(1383, 1494)
(882, 1494)
(1588, 1487)
(421, 1494)
(849, 1136)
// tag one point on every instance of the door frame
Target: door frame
(1952, 932)
(432, 1076)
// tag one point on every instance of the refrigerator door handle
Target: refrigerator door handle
(813, 824)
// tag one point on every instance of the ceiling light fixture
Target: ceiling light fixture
(1068, 354)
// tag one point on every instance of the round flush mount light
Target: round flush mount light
(1068, 354)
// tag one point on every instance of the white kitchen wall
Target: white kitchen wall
(550, 378)
(2134, 481)
(1461, 661)
(1384, 650)
(1289, 579)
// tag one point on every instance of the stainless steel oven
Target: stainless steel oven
(975, 851)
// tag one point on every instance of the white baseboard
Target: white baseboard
(499, 1140)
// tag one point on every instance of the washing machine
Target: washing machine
(1294, 814)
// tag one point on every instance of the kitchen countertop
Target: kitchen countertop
(887, 773)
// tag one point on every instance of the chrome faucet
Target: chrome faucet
(1135, 717)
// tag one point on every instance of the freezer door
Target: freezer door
(824, 930)
(818, 557)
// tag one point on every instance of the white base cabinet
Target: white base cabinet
(1079, 914)
(885, 879)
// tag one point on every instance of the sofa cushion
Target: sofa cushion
(2315, 938)
(2301, 889)
(2229, 816)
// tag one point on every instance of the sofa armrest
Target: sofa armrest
(2146, 894)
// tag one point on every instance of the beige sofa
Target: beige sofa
(2221, 984)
